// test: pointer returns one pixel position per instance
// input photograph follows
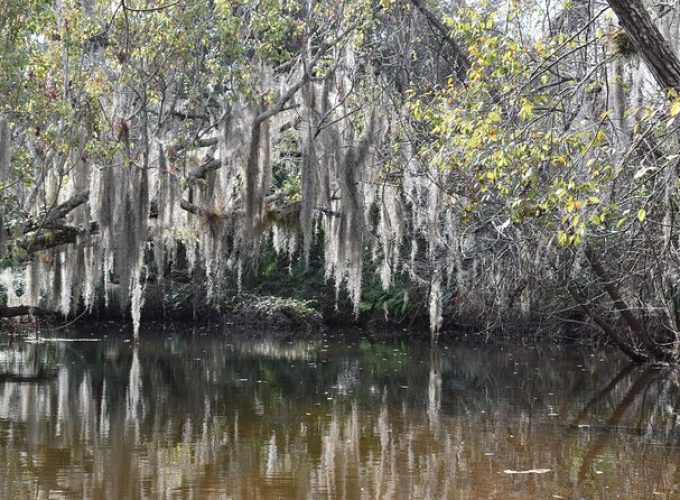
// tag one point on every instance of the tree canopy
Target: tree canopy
(513, 159)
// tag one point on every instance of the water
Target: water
(231, 416)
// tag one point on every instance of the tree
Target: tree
(501, 170)
(555, 146)
(159, 127)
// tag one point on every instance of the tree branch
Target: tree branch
(48, 238)
(61, 211)
(606, 327)
(54, 214)
(201, 172)
(461, 60)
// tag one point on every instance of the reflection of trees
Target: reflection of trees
(26, 362)
(647, 401)
(192, 415)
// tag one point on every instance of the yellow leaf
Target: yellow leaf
(675, 109)
(641, 214)
(494, 117)
(562, 239)
(526, 109)
(572, 205)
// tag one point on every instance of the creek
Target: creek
(205, 414)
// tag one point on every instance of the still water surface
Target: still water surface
(191, 415)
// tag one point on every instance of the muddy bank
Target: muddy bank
(289, 317)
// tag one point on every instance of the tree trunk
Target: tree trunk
(624, 310)
(649, 42)
(609, 329)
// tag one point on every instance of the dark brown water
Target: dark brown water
(213, 416)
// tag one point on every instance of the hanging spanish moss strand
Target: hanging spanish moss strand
(124, 242)
(309, 171)
(141, 218)
(161, 227)
(5, 163)
(252, 177)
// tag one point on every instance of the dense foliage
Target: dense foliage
(495, 160)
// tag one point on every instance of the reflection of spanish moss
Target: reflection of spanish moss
(208, 416)
(134, 393)
(434, 390)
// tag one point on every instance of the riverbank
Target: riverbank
(291, 318)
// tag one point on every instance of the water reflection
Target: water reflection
(191, 415)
